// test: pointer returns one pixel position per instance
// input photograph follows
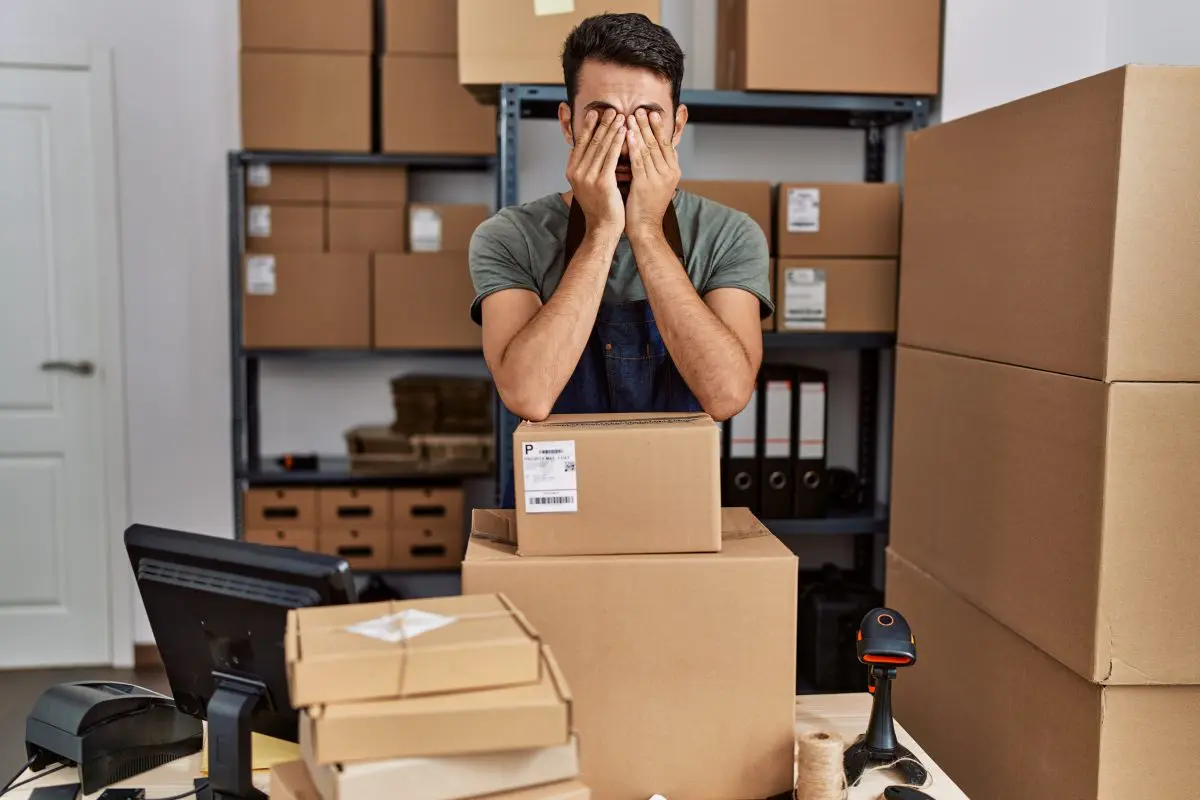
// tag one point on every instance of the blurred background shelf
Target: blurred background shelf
(859, 522)
(335, 471)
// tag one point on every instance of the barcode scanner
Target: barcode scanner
(885, 644)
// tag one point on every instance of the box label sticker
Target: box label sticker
(804, 211)
(425, 230)
(259, 224)
(402, 626)
(542, 8)
(258, 175)
(550, 478)
(812, 420)
(260, 275)
(804, 306)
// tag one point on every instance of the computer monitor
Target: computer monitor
(218, 610)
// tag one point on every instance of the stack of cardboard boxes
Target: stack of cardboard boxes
(675, 619)
(1047, 441)
(453, 697)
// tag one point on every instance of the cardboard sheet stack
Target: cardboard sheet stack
(440, 699)
(1047, 441)
(675, 618)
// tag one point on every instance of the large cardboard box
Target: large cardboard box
(423, 300)
(306, 300)
(847, 220)
(842, 46)
(425, 110)
(368, 186)
(1008, 721)
(286, 183)
(683, 666)
(306, 101)
(750, 197)
(421, 27)
(516, 41)
(444, 777)
(485, 721)
(366, 229)
(285, 228)
(308, 25)
(1062, 231)
(443, 227)
(1061, 506)
(604, 484)
(291, 781)
(837, 294)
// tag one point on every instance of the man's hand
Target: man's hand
(655, 173)
(592, 170)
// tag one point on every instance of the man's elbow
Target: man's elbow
(728, 400)
(526, 405)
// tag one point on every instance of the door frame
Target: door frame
(97, 63)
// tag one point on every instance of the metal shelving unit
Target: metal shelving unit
(870, 114)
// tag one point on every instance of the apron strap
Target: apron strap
(577, 227)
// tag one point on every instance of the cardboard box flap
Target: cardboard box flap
(291, 781)
(585, 422)
(495, 525)
(560, 681)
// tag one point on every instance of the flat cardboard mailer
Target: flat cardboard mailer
(484, 721)
(408, 649)
(442, 777)
(291, 781)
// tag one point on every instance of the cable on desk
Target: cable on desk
(188, 793)
(9, 783)
(36, 777)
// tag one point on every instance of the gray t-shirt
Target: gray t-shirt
(522, 248)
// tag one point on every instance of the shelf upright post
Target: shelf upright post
(508, 124)
(236, 175)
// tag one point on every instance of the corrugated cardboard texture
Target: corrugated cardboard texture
(484, 721)
(646, 483)
(851, 46)
(1007, 721)
(293, 228)
(423, 300)
(456, 223)
(287, 183)
(857, 220)
(291, 781)
(421, 27)
(1061, 231)
(750, 197)
(506, 41)
(860, 294)
(307, 25)
(368, 186)
(1061, 506)
(425, 110)
(488, 645)
(320, 300)
(683, 666)
(444, 777)
(366, 230)
(306, 101)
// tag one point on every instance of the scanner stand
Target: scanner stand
(880, 748)
(230, 760)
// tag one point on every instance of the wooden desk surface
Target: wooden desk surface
(845, 714)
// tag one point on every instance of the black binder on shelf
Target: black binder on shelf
(810, 477)
(777, 438)
(740, 467)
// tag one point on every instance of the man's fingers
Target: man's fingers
(636, 160)
(579, 148)
(657, 161)
(596, 149)
(658, 123)
(602, 143)
(615, 139)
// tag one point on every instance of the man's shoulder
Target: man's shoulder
(536, 215)
(710, 212)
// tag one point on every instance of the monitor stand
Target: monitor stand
(229, 758)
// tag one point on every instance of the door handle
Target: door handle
(83, 368)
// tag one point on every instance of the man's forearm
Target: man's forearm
(540, 359)
(707, 354)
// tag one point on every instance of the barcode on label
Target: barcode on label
(551, 501)
(554, 452)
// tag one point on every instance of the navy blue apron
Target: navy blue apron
(625, 366)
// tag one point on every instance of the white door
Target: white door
(54, 563)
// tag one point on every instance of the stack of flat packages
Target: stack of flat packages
(1047, 441)
(675, 618)
(445, 698)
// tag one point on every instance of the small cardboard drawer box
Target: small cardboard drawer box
(433, 548)
(361, 548)
(299, 538)
(484, 721)
(422, 508)
(280, 508)
(354, 508)
(407, 649)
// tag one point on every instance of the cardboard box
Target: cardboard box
(845, 47)
(618, 483)
(285, 228)
(298, 538)
(423, 300)
(1060, 231)
(308, 25)
(291, 781)
(683, 666)
(425, 110)
(354, 508)
(366, 230)
(565, 790)
(286, 183)
(751, 197)
(307, 300)
(1045, 733)
(361, 548)
(306, 101)
(840, 294)
(415, 508)
(484, 721)
(515, 41)
(421, 27)
(434, 547)
(442, 227)
(408, 649)
(279, 508)
(443, 777)
(368, 186)
(1061, 506)
(847, 220)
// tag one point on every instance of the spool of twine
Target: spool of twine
(819, 772)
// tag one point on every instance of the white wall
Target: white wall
(1153, 32)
